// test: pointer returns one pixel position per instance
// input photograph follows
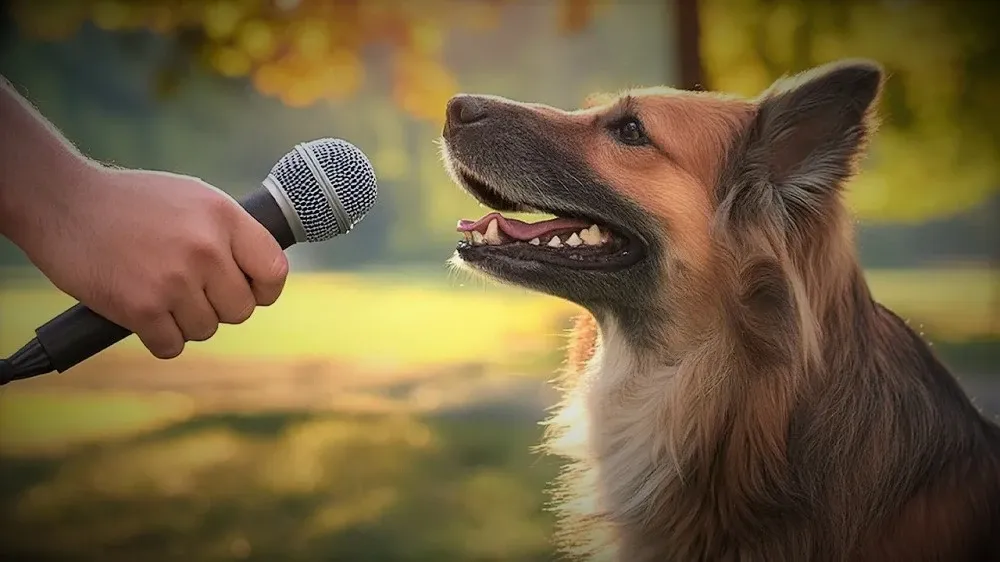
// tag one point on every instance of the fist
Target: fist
(167, 256)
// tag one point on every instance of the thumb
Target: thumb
(259, 255)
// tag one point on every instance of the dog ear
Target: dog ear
(811, 128)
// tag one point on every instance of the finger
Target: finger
(195, 317)
(162, 337)
(259, 256)
(230, 295)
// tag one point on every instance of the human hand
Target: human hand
(164, 255)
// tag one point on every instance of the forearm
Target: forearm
(38, 164)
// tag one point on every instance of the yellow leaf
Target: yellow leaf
(311, 40)
(221, 18)
(342, 73)
(257, 38)
(231, 62)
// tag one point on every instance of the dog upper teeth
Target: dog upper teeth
(492, 233)
(591, 236)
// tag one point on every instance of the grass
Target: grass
(286, 487)
(403, 319)
(403, 322)
(389, 319)
(949, 305)
(47, 422)
(407, 322)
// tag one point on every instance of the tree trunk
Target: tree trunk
(687, 30)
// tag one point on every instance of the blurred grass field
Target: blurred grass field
(410, 318)
(414, 321)
(424, 319)
(124, 466)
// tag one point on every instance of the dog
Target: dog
(733, 392)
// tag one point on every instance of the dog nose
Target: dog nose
(464, 109)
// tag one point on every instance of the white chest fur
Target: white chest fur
(615, 424)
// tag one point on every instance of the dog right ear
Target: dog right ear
(811, 128)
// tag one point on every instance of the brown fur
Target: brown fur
(759, 405)
(674, 182)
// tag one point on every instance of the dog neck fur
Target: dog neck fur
(641, 424)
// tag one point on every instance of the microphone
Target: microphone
(319, 190)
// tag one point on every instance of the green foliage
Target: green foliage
(938, 151)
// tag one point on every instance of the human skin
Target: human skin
(167, 256)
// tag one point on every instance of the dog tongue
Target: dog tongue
(520, 230)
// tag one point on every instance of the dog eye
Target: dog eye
(630, 132)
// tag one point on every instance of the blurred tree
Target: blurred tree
(936, 155)
(300, 51)
(938, 151)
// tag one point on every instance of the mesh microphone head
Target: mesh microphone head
(329, 185)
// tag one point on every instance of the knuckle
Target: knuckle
(219, 205)
(173, 280)
(147, 310)
(205, 248)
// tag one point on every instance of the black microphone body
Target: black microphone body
(318, 191)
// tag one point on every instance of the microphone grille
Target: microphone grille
(330, 185)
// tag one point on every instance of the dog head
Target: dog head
(653, 189)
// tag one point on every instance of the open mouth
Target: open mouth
(569, 240)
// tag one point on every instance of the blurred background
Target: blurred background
(386, 408)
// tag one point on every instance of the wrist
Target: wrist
(42, 197)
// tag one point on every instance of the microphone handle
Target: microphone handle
(80, 333)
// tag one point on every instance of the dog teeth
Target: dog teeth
(591, 236)
(492, 233)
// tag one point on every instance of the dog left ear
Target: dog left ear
(811, 128)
